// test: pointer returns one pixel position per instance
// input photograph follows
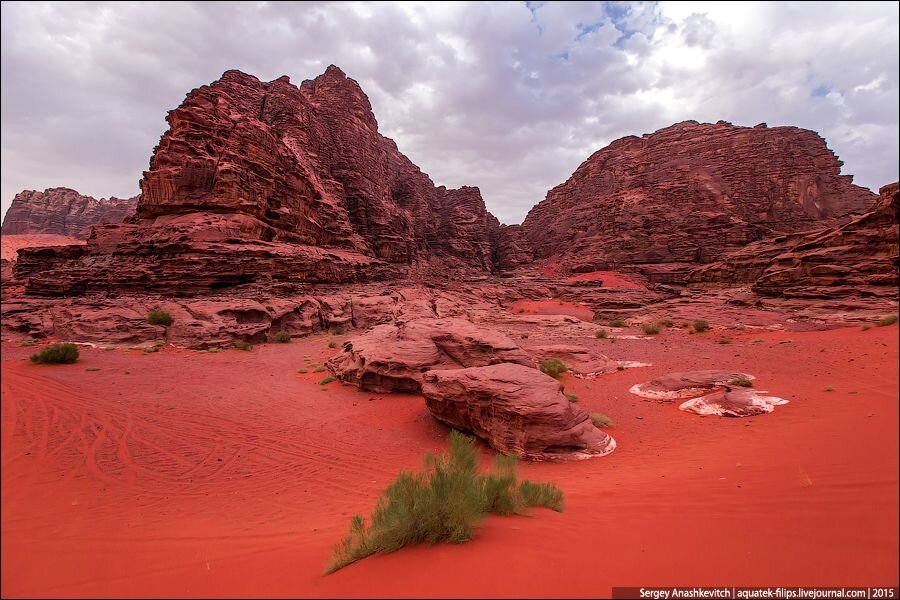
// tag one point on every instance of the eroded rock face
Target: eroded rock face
(394, 357)
(259, 181)
(859, 256)
(63, 211)
(709, 393)
(516, 409)
(689, 194)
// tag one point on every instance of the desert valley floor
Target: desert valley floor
(229, 473)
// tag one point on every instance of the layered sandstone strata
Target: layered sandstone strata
(259, 181)
(63, 211)
(859, 256)
(689, 194)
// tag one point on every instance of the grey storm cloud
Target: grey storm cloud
(508, 96)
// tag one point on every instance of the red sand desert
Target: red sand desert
(168, 462)
(213, 474)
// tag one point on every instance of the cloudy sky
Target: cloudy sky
(508, 96)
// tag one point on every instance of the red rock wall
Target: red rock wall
(308, 166)
(689, 194)
(859, 256)
(62, 211)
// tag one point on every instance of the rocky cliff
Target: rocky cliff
(62, 211)
(859, 256)
(259, 181)
(689, 194)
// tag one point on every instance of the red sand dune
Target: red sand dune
(193, 474)
(11, 244)
(609, 279)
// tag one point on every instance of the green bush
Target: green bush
(888, 320)
(327, 380)
(701, 325)
(741, 381)
(667, 323)
(302, 371)
(338, 331)
(865, 328)
(650, 328)
(28, 342)
(282, 337)
(56, 354)
(601, 334)
(159, 317)
(319, 369)
(600, 420)
(553, 367)
(618, 323)
(243, 345)
(443, 503)
(725, 341)
(572, 397)
(332, 345)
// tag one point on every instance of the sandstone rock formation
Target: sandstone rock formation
(394, 357)
(516, 409)
(63, 211)
(689, 194)
(580, 361)
(259, 181)
(709, 393)
(859, 256)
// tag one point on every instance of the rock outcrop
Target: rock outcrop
(63, 211)
(516, 409)
(687, 195)
(259, 181)
(395, 357)
(720, 393)
(860, 256)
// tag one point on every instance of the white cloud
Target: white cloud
(510, 97)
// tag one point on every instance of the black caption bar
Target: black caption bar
(760, 593)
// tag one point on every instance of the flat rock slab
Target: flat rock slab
(394, 357)
(709, 393)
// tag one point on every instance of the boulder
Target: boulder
(394, 357)
(516, 409)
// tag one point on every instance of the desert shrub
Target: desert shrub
(741, 381)
(302, 371)
(724, 341)
(600, 420)
(620, 368)
(524, 336)
(445, 502)
(553, 367)
(159, 317)
(338, 331)
(888, 320)
(243, 345)
(92, 369)
(28, 342)
(618, 323)
(667, 323)
(521, 310)
(572, 397)
(701, 325)
(685, 325)
(326, 381)
(319, 369)
(650, 328)
(865, 328)
(828, 388)
(55, 354)
(332, 345)
(601, 334)
(282, 337)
